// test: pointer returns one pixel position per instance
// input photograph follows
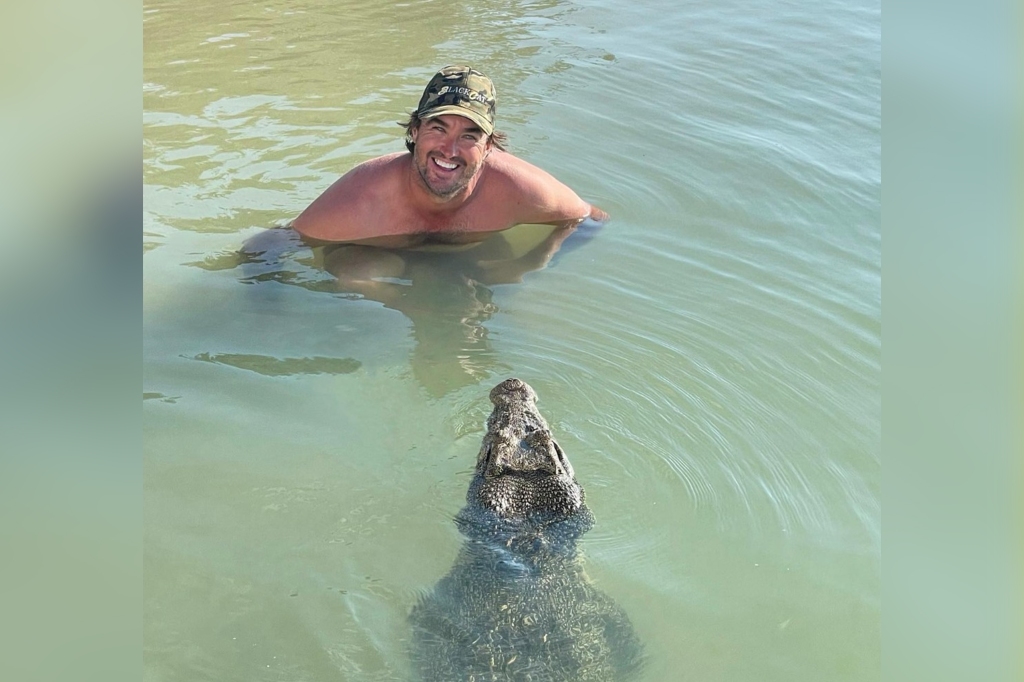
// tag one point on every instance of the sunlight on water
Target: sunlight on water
(710, 360)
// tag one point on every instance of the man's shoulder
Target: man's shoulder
(540, 196)
(369, 178)
(513, 168)
(378, 169)
(522, 176)
(353, 203)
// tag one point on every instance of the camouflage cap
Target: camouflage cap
(462, 91)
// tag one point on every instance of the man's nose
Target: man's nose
(449, 146)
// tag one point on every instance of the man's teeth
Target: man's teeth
(446, 165)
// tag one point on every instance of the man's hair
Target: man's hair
(498, 138)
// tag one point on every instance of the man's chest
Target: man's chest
(465, 225)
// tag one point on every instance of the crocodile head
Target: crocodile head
(523, 480)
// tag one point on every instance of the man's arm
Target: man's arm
(511, 271)
(321, 221)
(338, 215)
(542, 199)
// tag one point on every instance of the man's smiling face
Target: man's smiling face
(450, 150)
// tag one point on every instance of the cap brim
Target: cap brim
(456, 110)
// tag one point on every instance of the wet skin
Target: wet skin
(454, 188)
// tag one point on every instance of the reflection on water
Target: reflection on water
(153, 395)
(277, 367)
(446, 295)
(448, 309)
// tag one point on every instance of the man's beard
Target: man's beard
(460, 183)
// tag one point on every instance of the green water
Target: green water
(710, 360)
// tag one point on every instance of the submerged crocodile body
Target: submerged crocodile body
(517, 604)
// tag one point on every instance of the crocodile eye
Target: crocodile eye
(486, 457)
(563, 460)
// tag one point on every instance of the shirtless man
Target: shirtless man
(454, 186)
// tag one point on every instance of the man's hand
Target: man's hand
(598, 215)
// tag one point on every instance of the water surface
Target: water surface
(710, 360)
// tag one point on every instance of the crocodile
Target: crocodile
(517, 603)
